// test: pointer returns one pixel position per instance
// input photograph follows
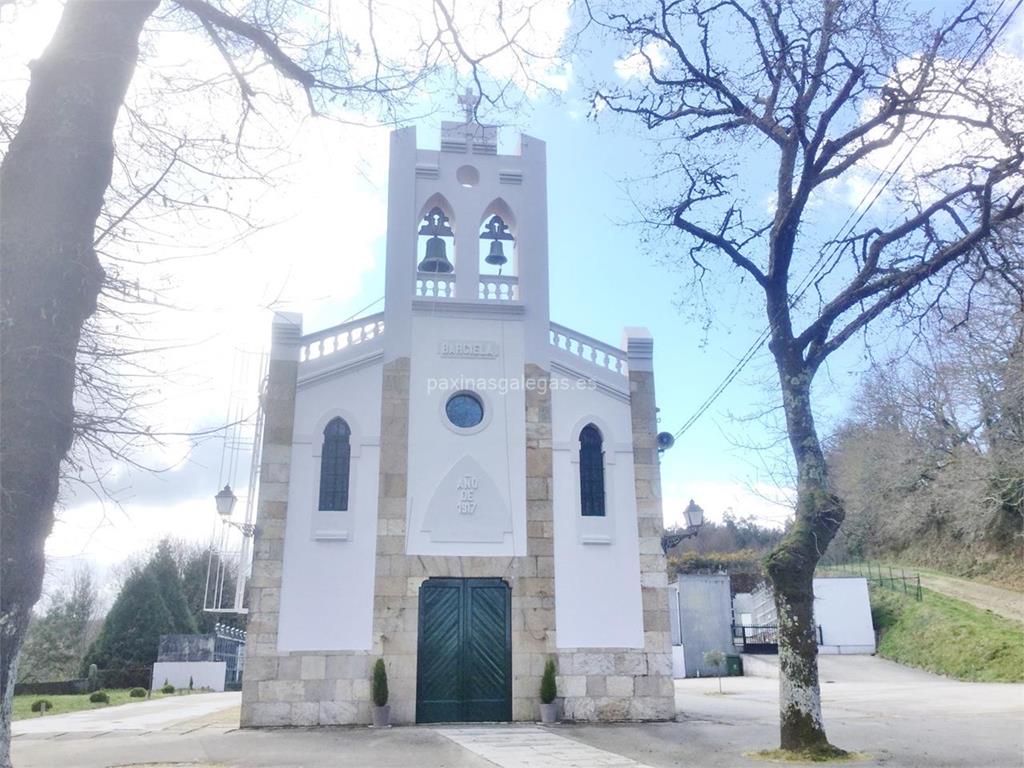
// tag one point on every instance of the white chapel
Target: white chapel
(458, 485)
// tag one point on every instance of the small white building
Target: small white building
(842, 616)
(458, 485)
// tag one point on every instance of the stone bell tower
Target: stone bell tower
(468, 182)
(466, 304)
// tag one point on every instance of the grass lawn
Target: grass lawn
(78, 702)
(948, 636)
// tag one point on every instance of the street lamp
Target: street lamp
(694, 516)
(226, 501)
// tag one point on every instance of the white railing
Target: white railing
(499, 288)
(597, 352)
(341, 337)
(435, 287)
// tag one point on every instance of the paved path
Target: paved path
(1008, 603)
(526, 747)
(154, 715)
(899, 717)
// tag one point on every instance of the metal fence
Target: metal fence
(763, 639)
(888, 576)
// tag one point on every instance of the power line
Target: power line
(818, 268)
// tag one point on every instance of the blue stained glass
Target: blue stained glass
(464, 410)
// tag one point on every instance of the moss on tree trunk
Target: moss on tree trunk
(791, 565)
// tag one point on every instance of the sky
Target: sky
(320, 251)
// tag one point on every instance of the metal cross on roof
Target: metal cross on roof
(469, 100)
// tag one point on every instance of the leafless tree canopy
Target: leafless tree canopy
(828, 90)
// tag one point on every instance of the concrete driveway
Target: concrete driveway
(153, 715)
(896, 716)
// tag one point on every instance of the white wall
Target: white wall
(327, 584)
(496, 449)
(204, 674)
(597, 560)
(843, 610)
(678, 662)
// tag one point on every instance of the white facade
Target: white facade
(498, 500)
(332, 553)
(842, 608)
(202, 674)
(842, 613)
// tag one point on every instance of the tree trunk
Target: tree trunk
(791, 566)
(52, 183)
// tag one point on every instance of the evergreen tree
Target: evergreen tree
(131, 633)
(164, 569)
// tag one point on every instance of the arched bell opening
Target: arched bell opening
(435, 252)
(498, 239)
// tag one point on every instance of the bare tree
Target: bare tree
(930, 462)
(68, 190)
(58, 638)
(812, 95)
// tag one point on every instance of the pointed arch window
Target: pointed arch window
(591, 472)
(335, 461)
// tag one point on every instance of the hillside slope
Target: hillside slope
(1008, 603)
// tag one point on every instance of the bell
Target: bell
(435, 260)
(497, 255)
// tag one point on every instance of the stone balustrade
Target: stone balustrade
(340, 337)
(499, 288)
(593, 351)
(435, 287)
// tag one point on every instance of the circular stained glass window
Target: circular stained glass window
(464, 410)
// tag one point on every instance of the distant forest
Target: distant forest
(930, 462)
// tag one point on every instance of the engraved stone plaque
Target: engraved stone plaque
(467, 507)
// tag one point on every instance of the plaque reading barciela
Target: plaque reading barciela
(469, 349)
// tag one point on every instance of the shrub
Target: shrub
(41, 705)
(716, 659)
(548, 689)
(167, 688)
(137, 693)
(379, 692)
(99, 697)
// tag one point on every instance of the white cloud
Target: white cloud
(638, 62)
(927, 145)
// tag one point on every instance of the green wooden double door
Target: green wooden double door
(464, 652)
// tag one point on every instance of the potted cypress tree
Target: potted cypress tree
(379, 694)
(548, 692)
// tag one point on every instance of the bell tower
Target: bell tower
(467, 232)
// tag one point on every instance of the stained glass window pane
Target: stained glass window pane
(464, 410)
(591, 472)
(334, 466)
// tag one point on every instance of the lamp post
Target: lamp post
(694, 516)
(226, 501)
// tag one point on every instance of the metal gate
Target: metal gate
(464, 651)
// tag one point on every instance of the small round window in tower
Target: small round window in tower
(467, 176)
(464, 410)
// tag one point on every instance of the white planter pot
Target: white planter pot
(549, 713)
(381, 716)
